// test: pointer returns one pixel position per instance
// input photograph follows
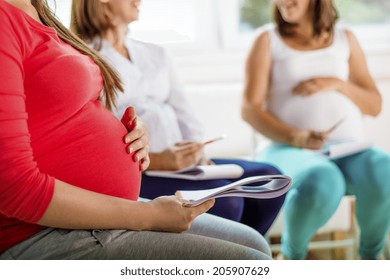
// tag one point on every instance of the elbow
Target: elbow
(245, 112)
(377, 108)
(27, 196)
(375, 112)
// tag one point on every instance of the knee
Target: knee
(258, 168)
(229, 207)
(321, 186)
(377, 169)
(272, 170)
(253, 239)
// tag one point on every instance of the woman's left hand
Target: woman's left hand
(315, 85)
(137, 138)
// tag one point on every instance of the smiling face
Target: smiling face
(123, 12)
(294, 11)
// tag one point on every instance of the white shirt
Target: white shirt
(151, 87)
(322, 110)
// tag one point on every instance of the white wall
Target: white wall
(377, 129)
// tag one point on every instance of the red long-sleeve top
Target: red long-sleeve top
(52, 126)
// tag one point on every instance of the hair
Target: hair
(112, 82)
(324, 17)
(89, 20)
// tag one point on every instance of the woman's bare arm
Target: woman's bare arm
(361, 88)
(257, 83)
(75, 208)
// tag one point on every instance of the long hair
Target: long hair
(324, 17)
(112, 82)
(89, 20)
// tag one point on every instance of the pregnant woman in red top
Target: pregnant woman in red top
(68, 187)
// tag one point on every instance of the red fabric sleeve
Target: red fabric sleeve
(25, 192)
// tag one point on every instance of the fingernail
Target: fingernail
(127, 140)
(131, 150)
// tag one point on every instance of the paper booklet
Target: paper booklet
(268, 186)
(342, 149)
(202, 172)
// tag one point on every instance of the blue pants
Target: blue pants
(318, 186)
(256, 213)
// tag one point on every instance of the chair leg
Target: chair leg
(355, 232)
(386, 252)
(339, 253)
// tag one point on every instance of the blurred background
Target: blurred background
(209, 40)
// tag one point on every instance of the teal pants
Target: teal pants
(318, 186)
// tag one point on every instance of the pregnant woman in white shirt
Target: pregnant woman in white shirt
(304, 75)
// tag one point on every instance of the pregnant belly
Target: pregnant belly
(91, 155)
(320, 112)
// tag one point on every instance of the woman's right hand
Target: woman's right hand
(309, 139)
(179, 156)
(137, 138)
(168, 214)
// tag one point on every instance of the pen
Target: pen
(223, 136)
(336, 125)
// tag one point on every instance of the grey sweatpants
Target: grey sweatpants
(210, 237)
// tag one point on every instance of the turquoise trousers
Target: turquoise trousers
(318, 186)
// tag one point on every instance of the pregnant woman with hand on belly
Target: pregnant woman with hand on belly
(68, 186)
(304, 75)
